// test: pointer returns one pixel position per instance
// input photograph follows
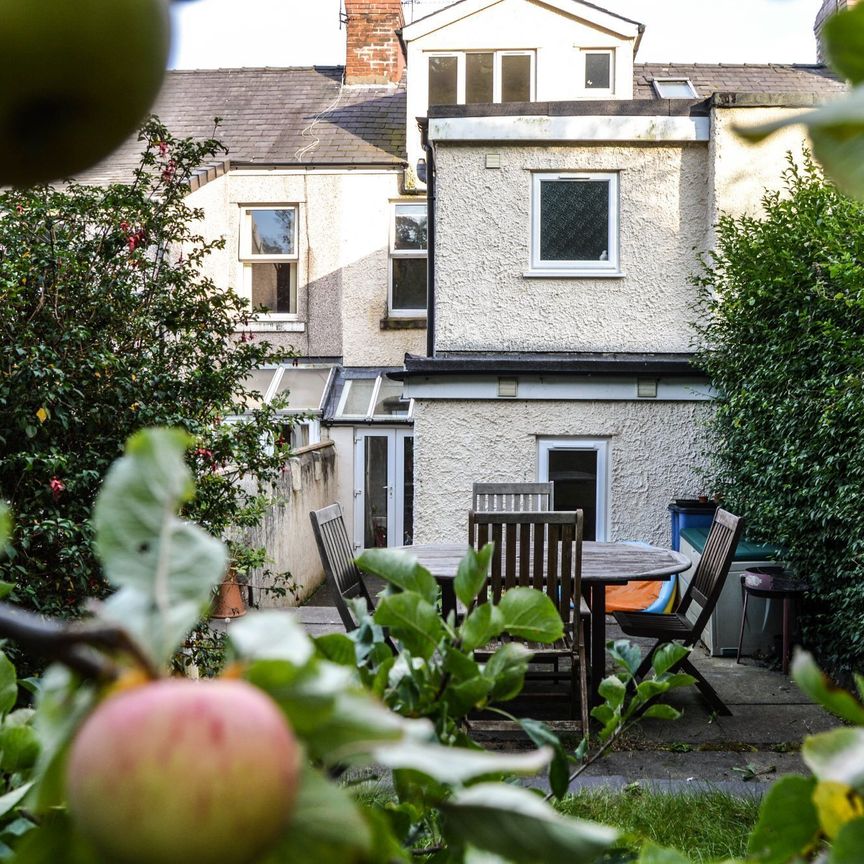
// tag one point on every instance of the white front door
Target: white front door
(383, 487)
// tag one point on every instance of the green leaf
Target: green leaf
(5, 524)
(13, 798)
(843, 35)
(167, 565)
(6, 588)
(8, 685)
(650, 688)
(412, 620)
(625, 654)
(837, 755)
(19, 748)
(56, 840)
(456, 765)
(484, 624)
(337, 648)
(822, 690)
(400, 569)
(559, 770)
(472, 572)
(531, 615)
(788, 822)
(666, 656)
(613, 690)
(662, 712)
(327, 826)
(847, 845)
(517, 825)
(271, 634)
(506, 669)
(651, 854)
(464, 696)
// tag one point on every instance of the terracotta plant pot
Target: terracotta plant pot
(228, 602)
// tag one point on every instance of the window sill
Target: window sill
(574, 274)
(406, 323)
(274, 325)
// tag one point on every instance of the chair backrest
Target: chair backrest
(337, 557)
(512, 497)
(712, 569)
(539, 549)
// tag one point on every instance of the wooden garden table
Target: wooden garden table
(602, 564)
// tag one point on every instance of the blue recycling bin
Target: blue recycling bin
(689, 513)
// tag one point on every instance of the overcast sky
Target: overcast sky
(222, 33)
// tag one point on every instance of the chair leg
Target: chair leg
(743, 622)
(707, 691)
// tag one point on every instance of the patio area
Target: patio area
(748, 750)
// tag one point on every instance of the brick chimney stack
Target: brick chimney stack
(374, 52)
(829, 8)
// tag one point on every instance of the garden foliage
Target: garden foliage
(783, 332)
(107, 325)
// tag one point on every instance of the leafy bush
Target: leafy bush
(107, 325)
(784, 343)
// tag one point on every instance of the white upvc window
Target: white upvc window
(597, 73)
(574, 224)
(579, 467)
(268, 252)
(467, 77)
(408, 251)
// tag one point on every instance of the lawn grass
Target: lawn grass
(706, 825)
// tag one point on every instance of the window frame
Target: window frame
(601, 446)
(370, 416)
(656, 83)
(597, 92)
(497, 55)
(402, 254)
(248, 259)
(610, 267)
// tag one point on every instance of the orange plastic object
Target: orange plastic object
(632, 597)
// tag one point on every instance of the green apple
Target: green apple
(184, 772)
(76, 78)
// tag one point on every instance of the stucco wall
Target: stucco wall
(654, 455)
(515, 25)
(343, 266)
(484, 301)
(286, 532)
(740, 171)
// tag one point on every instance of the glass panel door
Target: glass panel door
(383, 488)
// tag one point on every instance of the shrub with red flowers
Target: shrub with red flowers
(107, 325)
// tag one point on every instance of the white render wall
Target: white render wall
(343, 266)
(655, 453)
(517, 25)
(483, 229)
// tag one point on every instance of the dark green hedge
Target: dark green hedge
(783, 326)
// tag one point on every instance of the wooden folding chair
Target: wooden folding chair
(337, 558)
(511, 497)
(704, 590)
(541, 550)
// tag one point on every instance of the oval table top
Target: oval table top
(608, 563)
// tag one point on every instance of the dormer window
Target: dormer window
(469, 77)
(674, 88)
(598, 71)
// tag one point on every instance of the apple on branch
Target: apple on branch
(178, 771)
(77, 77)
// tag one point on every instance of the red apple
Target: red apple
(184, 772)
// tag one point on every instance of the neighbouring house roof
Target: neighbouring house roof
(709, 78)
(271, 116)
(552, 363)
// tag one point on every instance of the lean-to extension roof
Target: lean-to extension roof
(276, 117)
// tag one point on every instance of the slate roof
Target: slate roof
(268, 117)
(710, 78)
